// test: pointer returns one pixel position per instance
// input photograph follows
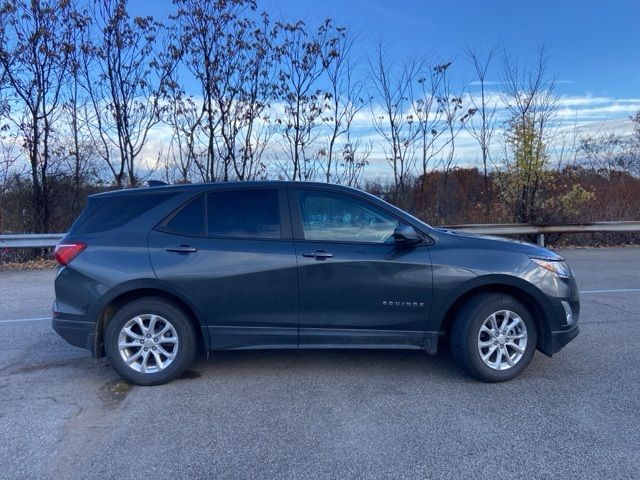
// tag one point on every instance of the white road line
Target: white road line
(620, 290)
(25, 320)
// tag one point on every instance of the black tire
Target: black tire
(186, 348)
(466, 328)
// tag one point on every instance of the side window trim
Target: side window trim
(296, 216)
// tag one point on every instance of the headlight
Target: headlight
(559, 267)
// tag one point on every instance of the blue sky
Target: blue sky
(593, 46)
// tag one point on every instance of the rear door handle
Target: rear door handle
(318, 255)
(182, 249)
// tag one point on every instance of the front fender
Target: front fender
(449, 301)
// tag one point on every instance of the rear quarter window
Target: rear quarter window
(107, 213)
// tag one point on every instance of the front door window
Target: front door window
(333, 217)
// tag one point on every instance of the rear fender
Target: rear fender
(145, 286)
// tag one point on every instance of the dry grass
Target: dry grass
(35, 264)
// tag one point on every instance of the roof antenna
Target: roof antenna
(156, 183)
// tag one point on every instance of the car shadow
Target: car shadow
(346, 362)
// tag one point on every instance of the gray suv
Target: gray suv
(148, 276)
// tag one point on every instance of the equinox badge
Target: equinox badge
(392, 303)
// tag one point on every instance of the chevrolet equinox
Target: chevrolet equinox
(149, 275)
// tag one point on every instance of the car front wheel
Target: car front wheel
(150, 341)
(493, 337)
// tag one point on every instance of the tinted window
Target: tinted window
(108, 213)
(334, 217)
(244, 213)
(189, 220)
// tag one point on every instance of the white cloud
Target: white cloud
(577, 114)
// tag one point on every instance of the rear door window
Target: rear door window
(245, 213)
(190, 219)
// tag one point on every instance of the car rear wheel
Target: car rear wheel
(493, 337)
(150, 341)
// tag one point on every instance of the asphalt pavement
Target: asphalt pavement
(327, 414)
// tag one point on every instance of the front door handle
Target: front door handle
(318, 255)
(182, 249)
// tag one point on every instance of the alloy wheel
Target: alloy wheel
(148, 343)
(502, 340)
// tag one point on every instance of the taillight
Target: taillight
(65, 252)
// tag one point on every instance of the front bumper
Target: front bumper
(560, 338)
(561, 298)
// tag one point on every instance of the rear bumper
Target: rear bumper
(560, 338)
(77, 333)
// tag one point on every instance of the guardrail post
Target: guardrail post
(540, 239)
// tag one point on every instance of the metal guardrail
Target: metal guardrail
(30, 240)
(44, 240)
(541, 230)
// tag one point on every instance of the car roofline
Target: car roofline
(220, 186)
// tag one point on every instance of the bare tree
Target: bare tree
(5, 105)
(204, 45)
(568, 148)
(10, 151)
(635, 120)
(10, 165)
(393, 118)
(34, 58)
(607, 152)
(258, 90)
(10, 169)
(455, 116)
(305, 57)
(77, 110)
(483, 126)
(635, 142)
(126, 72)
(344, 103)
(245, 92)
(428, 116)
(355, 158)
(184, 117)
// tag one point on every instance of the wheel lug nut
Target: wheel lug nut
(153, 348)
(145, 349)
(148, 335)
(495, 343)
(142, 341)
(155, 339)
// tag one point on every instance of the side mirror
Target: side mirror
(405, 234)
